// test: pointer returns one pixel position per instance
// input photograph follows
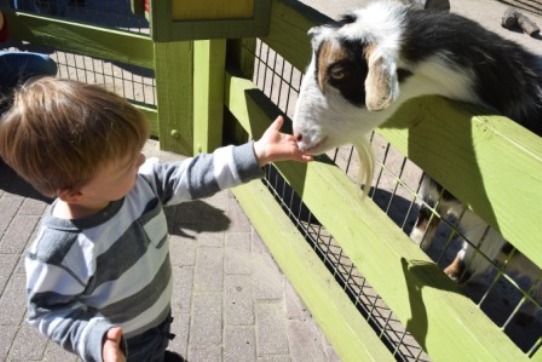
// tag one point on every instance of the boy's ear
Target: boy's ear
(69, 195)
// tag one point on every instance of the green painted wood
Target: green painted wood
(209, 65)
(83, 39)
(426, 301)
(175, 99)
(490, 163)
(351, 336)
(290, 21)
(240, 55)
(165, 29)
(152, 116)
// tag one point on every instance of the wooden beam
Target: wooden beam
(83, 39)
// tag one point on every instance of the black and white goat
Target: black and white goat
(374, 59)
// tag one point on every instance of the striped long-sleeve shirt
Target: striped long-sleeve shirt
(113, 269)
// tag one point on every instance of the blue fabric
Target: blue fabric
(55, 7)
(16, 67)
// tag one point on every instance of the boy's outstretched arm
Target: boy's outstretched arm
(276, 146)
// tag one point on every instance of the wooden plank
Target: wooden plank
(209, 65)
(165, 29)
(290, 21)
(83, 39)
(413, 286)
(351, 336)
(489, 162)
(211, 9)
(174, 84)
(152, 116)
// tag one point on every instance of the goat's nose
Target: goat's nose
(298, 137)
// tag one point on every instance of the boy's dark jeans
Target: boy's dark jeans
(151, 345)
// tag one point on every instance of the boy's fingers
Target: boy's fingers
(115, 334)
(277, 123)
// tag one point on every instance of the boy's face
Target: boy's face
(113, 181)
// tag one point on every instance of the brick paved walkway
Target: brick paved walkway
(230, 302)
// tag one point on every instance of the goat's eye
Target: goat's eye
(337, 72)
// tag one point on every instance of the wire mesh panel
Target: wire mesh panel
(507, 288)
(135, 83)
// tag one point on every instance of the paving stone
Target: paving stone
(28, 336)
(238, 220)
(238, 302)
(208, 354)
(267, 282)
(206, 322)
(238, 256)
(18, 234)
(284, 358)
(7, 266)
(8, 209)
(271, 329)
(7, 335)
(209, 273)
(295, 308)
(182, 250)
(258, 246)
(13, 302)
(32, 207)
(210, 238)
(53, 353)
(239, 344)
(305, 342)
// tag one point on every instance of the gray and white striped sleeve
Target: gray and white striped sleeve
(203, 175)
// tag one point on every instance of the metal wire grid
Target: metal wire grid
(373, 309)
(506, 298)
(136, 84)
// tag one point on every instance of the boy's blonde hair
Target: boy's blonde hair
(58, 133)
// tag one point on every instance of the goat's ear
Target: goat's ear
(315, 33)
(381, 84)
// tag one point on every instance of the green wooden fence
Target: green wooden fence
(199, 83)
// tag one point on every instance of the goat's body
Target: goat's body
(494, 72)
(376, 58)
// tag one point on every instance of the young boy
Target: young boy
(98, 274)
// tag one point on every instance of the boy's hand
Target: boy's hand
(276, 146)
(112, 351)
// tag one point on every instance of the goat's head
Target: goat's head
(351, 78)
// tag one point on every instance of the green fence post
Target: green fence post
(173, 72)
(209, 69)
